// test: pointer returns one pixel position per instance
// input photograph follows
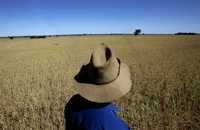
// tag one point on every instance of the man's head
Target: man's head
(104, 78)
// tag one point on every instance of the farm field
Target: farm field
(36, 80)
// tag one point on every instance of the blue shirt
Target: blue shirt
(81, 114)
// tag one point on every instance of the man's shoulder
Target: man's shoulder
(78, 103)
(105, 118)
(78, 106)
(93, 115)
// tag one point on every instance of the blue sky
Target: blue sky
(39, 17)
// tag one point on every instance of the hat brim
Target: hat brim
(107, 92)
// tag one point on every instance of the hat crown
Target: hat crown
(101, 56)
(103, 66)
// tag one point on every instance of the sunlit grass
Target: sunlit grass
(36, 80)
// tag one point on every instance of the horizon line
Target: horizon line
(85, 34)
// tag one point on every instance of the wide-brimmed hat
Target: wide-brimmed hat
(105, 78)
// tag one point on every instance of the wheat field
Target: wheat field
(36, 80)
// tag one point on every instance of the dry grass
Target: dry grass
(36, 80)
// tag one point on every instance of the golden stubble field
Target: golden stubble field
(36, 80)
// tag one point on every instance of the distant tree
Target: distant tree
(185, 33)
(10, 37)
(137, 31)
(35, 37)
